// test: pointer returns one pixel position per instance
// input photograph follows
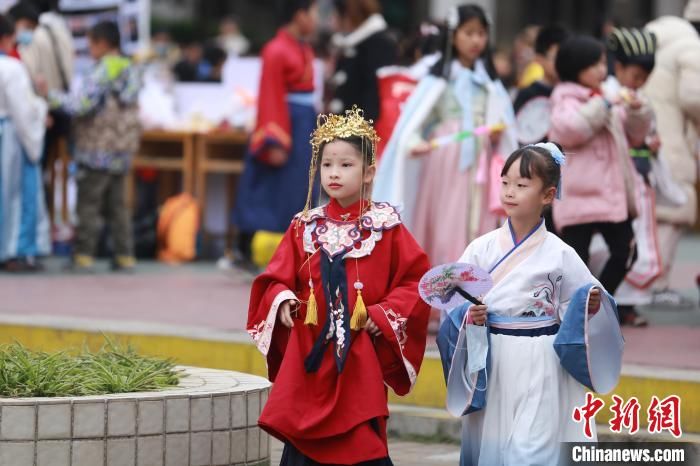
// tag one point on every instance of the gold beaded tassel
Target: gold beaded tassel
(311, 307)
(359, 313)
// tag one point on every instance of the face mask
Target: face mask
(477, 348)
(24, 37)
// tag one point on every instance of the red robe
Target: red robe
(287, 67)
(326, 414)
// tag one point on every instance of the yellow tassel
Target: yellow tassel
(359, 314)
(311, 307)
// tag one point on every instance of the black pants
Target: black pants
(620, 240)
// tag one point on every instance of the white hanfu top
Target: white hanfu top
(530, 397)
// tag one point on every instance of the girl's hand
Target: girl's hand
(654, 143)
(372, 328)
(285, 314)
(276, 156)
(420, 149)
(594, 301)
(41, 86)
(634, 102)
(478, 314)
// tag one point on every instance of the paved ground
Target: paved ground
(199, 295)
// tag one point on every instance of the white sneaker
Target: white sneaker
(671, 298)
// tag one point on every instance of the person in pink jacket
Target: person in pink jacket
(598, 177)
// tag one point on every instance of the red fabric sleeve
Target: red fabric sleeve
(269, 289)
(402, 316)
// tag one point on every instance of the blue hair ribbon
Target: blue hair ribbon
(557, 155)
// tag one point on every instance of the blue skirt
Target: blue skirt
(269, 197)
(24, 221)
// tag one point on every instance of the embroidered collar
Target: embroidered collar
(379, 215)
(326, 229)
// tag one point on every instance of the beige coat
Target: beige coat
(42, 56)
(674, 91)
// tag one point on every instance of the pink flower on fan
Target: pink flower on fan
(468, 276)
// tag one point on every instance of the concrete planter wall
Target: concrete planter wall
(210, 419)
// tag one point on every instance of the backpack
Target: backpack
(178, 224)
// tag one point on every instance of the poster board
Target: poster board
(132, 16)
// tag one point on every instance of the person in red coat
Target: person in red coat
(337, 311)
(272, 187)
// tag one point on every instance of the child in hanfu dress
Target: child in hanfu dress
(337, 312)
(530, 397)
(444, 192)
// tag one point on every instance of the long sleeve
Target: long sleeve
(26, 109)
(576, 275)
(82, 103)
(269, 291)
(273, 127)
(574, 123)
(402, 316)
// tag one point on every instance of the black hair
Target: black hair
(46, 5)
(466, 13)
(361, 144)
(289, 8)
(7, 28)
(424, 41)
(107, 31)
(24, 10)
(550, 36)
(576, 54)
(537, 161)
(633, 47)
(214, 54)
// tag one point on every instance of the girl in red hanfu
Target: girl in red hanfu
(337, 312)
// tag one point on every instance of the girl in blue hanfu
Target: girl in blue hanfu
(337, 312)
(530, 397)
(443, 192)
(24, 222)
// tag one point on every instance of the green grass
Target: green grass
(112, 369)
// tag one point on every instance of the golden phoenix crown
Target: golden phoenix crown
(330, 127)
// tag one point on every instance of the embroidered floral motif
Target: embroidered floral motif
(544, 295)
(261, 334)
(366, 246)
(336, 237)
(308, 237)
(399, 325)
(313, 214)
(382, 216)
(336, 327)
(257, 331)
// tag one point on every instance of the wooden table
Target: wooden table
(220, 152)
(165, 151)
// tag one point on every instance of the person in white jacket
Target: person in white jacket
(24, 224)
(674, 92)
